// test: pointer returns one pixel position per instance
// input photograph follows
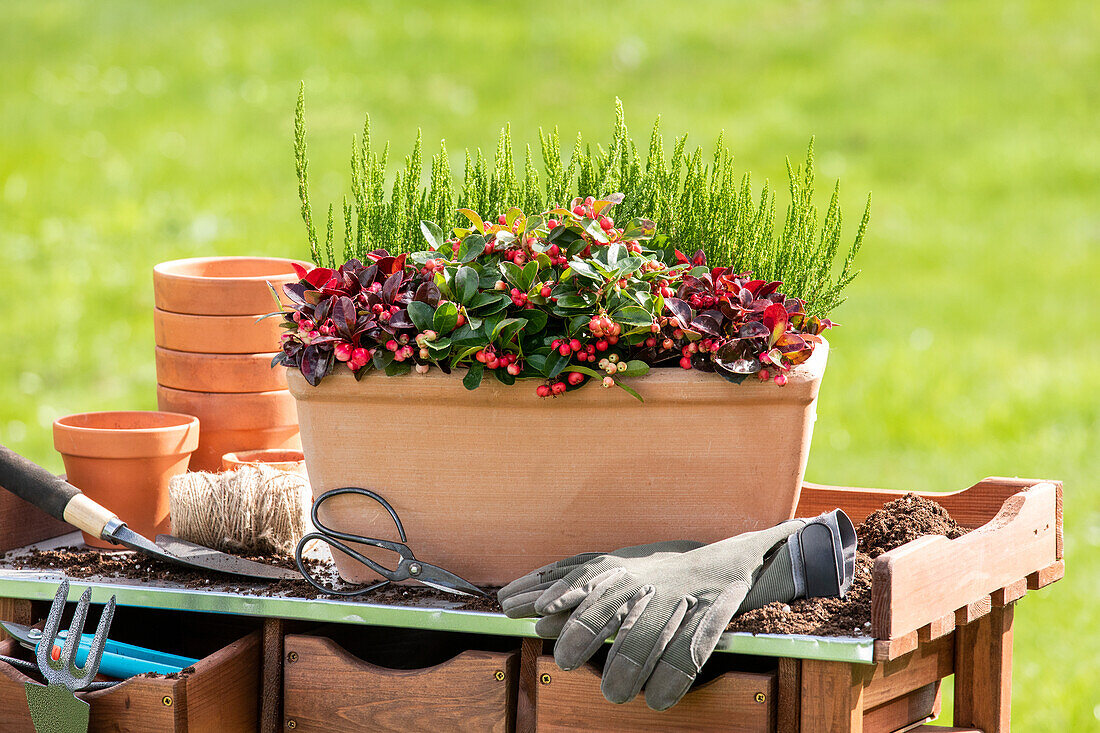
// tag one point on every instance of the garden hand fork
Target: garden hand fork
(54, 708)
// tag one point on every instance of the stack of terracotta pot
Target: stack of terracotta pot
(214, 357)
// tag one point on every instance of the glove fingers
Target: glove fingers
(574, 588)
(521, 605)
(595, 621)
(642, 639)
(549, 627)
(689, 649)
(544, 576)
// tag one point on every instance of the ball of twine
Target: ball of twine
(255, 510)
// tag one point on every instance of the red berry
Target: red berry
(501, 285)
(763, 375)
(781, 379)
(360, 356)
(461, 319)
(305, 325)
(601, 345)
(545, 291)
(608, 382)
(492, 363)
(391, 345)
(481, 356)
(564, 350)
(558, 388)
(553, 250)
(685, 362)
(543, 390)
(606, 223)
(555, 343)
(551, 224)
(343, 351)
(575, 378)
(578, 210)
(514, 369)
(575, 344)
(613, 339)
(502, 220)
(651, 342)
(589, 201)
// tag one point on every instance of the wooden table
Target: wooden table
(939, 607)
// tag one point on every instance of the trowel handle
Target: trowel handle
(50, 493)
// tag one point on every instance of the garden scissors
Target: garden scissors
(409, 568)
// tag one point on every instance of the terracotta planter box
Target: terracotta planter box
(494, 482)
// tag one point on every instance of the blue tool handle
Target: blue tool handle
(126, 660)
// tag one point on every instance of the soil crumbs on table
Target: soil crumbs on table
(81, 562)
(896, 523)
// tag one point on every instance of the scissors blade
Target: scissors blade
(444, 580)
(22, 634)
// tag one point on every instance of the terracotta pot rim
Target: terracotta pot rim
(667, 384)
(177, 434)
(192, 393)
(177, 270)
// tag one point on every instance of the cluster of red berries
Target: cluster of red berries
(354, 358)
(582, 352)
(506, 361)
(555, 389)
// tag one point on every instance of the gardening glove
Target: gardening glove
(517, 599)
(669, 611)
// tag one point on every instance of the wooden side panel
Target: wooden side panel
(932, 662)
(913, 707)
(223, 694)
(271, 677)
(970, 507)
(528, 688)
(22, 523)
(735, 701)
(923, 580)
(138, 706)
(15, 610)
(327, 689)
(983, 672)
(14, 715)
(832, 697)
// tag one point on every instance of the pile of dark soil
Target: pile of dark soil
(896, 523)
(80, 562)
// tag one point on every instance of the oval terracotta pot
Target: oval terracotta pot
(124, 460)
(218, 372)
(293, 461)
(221, 286)
(216, 334)
(235, 422)
(495, 482)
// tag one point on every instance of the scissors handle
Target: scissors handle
(332, 542)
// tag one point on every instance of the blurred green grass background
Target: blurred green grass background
(139, 132)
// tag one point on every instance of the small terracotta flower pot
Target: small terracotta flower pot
(230, 422)
(123, 460)
(293, 461)
(216, 334)
(220, 286)
(218, 372)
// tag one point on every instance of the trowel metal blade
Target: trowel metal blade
(203, 557)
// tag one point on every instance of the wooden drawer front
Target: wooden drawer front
(571, 701)
(327, 689)
(220, 696)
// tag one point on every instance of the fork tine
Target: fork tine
(76, 628)
(53, 623)
(91, 664)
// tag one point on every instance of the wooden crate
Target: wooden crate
(325, 688)
(220, 696)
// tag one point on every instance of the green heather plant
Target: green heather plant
(696, 202)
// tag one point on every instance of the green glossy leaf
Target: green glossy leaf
(472, 380)
(475, 219)
(432, 233)
(513, 274)
(633, 315)
(446, 317)
(532, 224)
(595, 230)
(584, 270)
(398, 367)
(471, 247)
(527, 275)
(465, 284)
(634, 368)
(422, 315)
(507, 328)
(555, 363)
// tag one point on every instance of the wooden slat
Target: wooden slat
(983, 672)
(14, 714)
(889, 649)
(328, 689)
(903, 711)
(528, 688)
(271, 678)
(1044, 577)
(942, 626)
(931, 663)
(223, 693)
(787, 704)
(973, 611)
(924, 580)
(832, 697)
(1009, 594)
(734, 701)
